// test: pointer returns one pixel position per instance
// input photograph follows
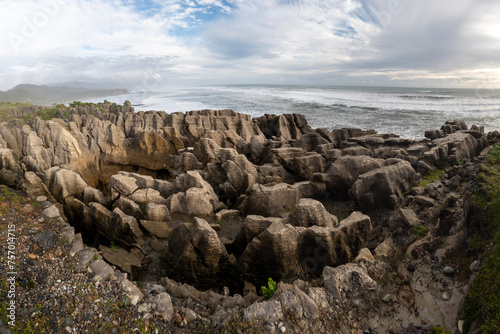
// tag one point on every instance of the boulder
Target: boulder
(347, 281)
(345, 171)
(196, 254)
(309, 212)
(116, 225)
(273, 253)
(251, 228)
(63, 183)
(265, 312)
(384, 187)
(10, 171)
(274, 201)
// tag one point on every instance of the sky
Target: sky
(149, 45)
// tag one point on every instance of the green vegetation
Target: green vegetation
(483, 301)
(9, 110)
(431, 176)
(439, 330)
(270, 289)
(113, 248)
(419, 230)
(47, 113)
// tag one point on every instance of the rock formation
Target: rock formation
(155, 182)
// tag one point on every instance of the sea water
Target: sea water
(408, 112)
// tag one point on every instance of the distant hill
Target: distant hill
(45, 95)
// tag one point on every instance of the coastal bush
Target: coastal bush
(482, 304)
(270, 289)
(47, 113)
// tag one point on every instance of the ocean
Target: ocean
(408, 112)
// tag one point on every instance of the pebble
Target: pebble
(270, 328)
(411, 267)
(68, 329)
(474, 266)
(389, 298)
(282, 329)
(446, 296)
(448, 270)
(177, 318)
(32, 256)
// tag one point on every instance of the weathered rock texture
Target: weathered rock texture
(152, 180)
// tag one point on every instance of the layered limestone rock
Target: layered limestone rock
(145, 180)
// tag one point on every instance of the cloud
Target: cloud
(146, 44)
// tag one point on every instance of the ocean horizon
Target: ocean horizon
(407, 112)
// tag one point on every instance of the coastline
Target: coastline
(129, 177)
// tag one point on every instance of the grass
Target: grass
(431, 176)
(482, 304)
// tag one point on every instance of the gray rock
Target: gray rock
(164, 305)
(132, 291)
(424, 200)
(347, 281)
(266, 312)
(309, 212)
(51, 212)
(101, 269)
(384, 187)
(45, 240)
(448, 270)
(475, 266)
(84, 257)
(446, 296)
(275, 201)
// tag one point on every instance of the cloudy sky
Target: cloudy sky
(155, 44)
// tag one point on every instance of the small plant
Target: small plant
(419, 230)
(113, 247)
(270, 289)
(439, 330)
